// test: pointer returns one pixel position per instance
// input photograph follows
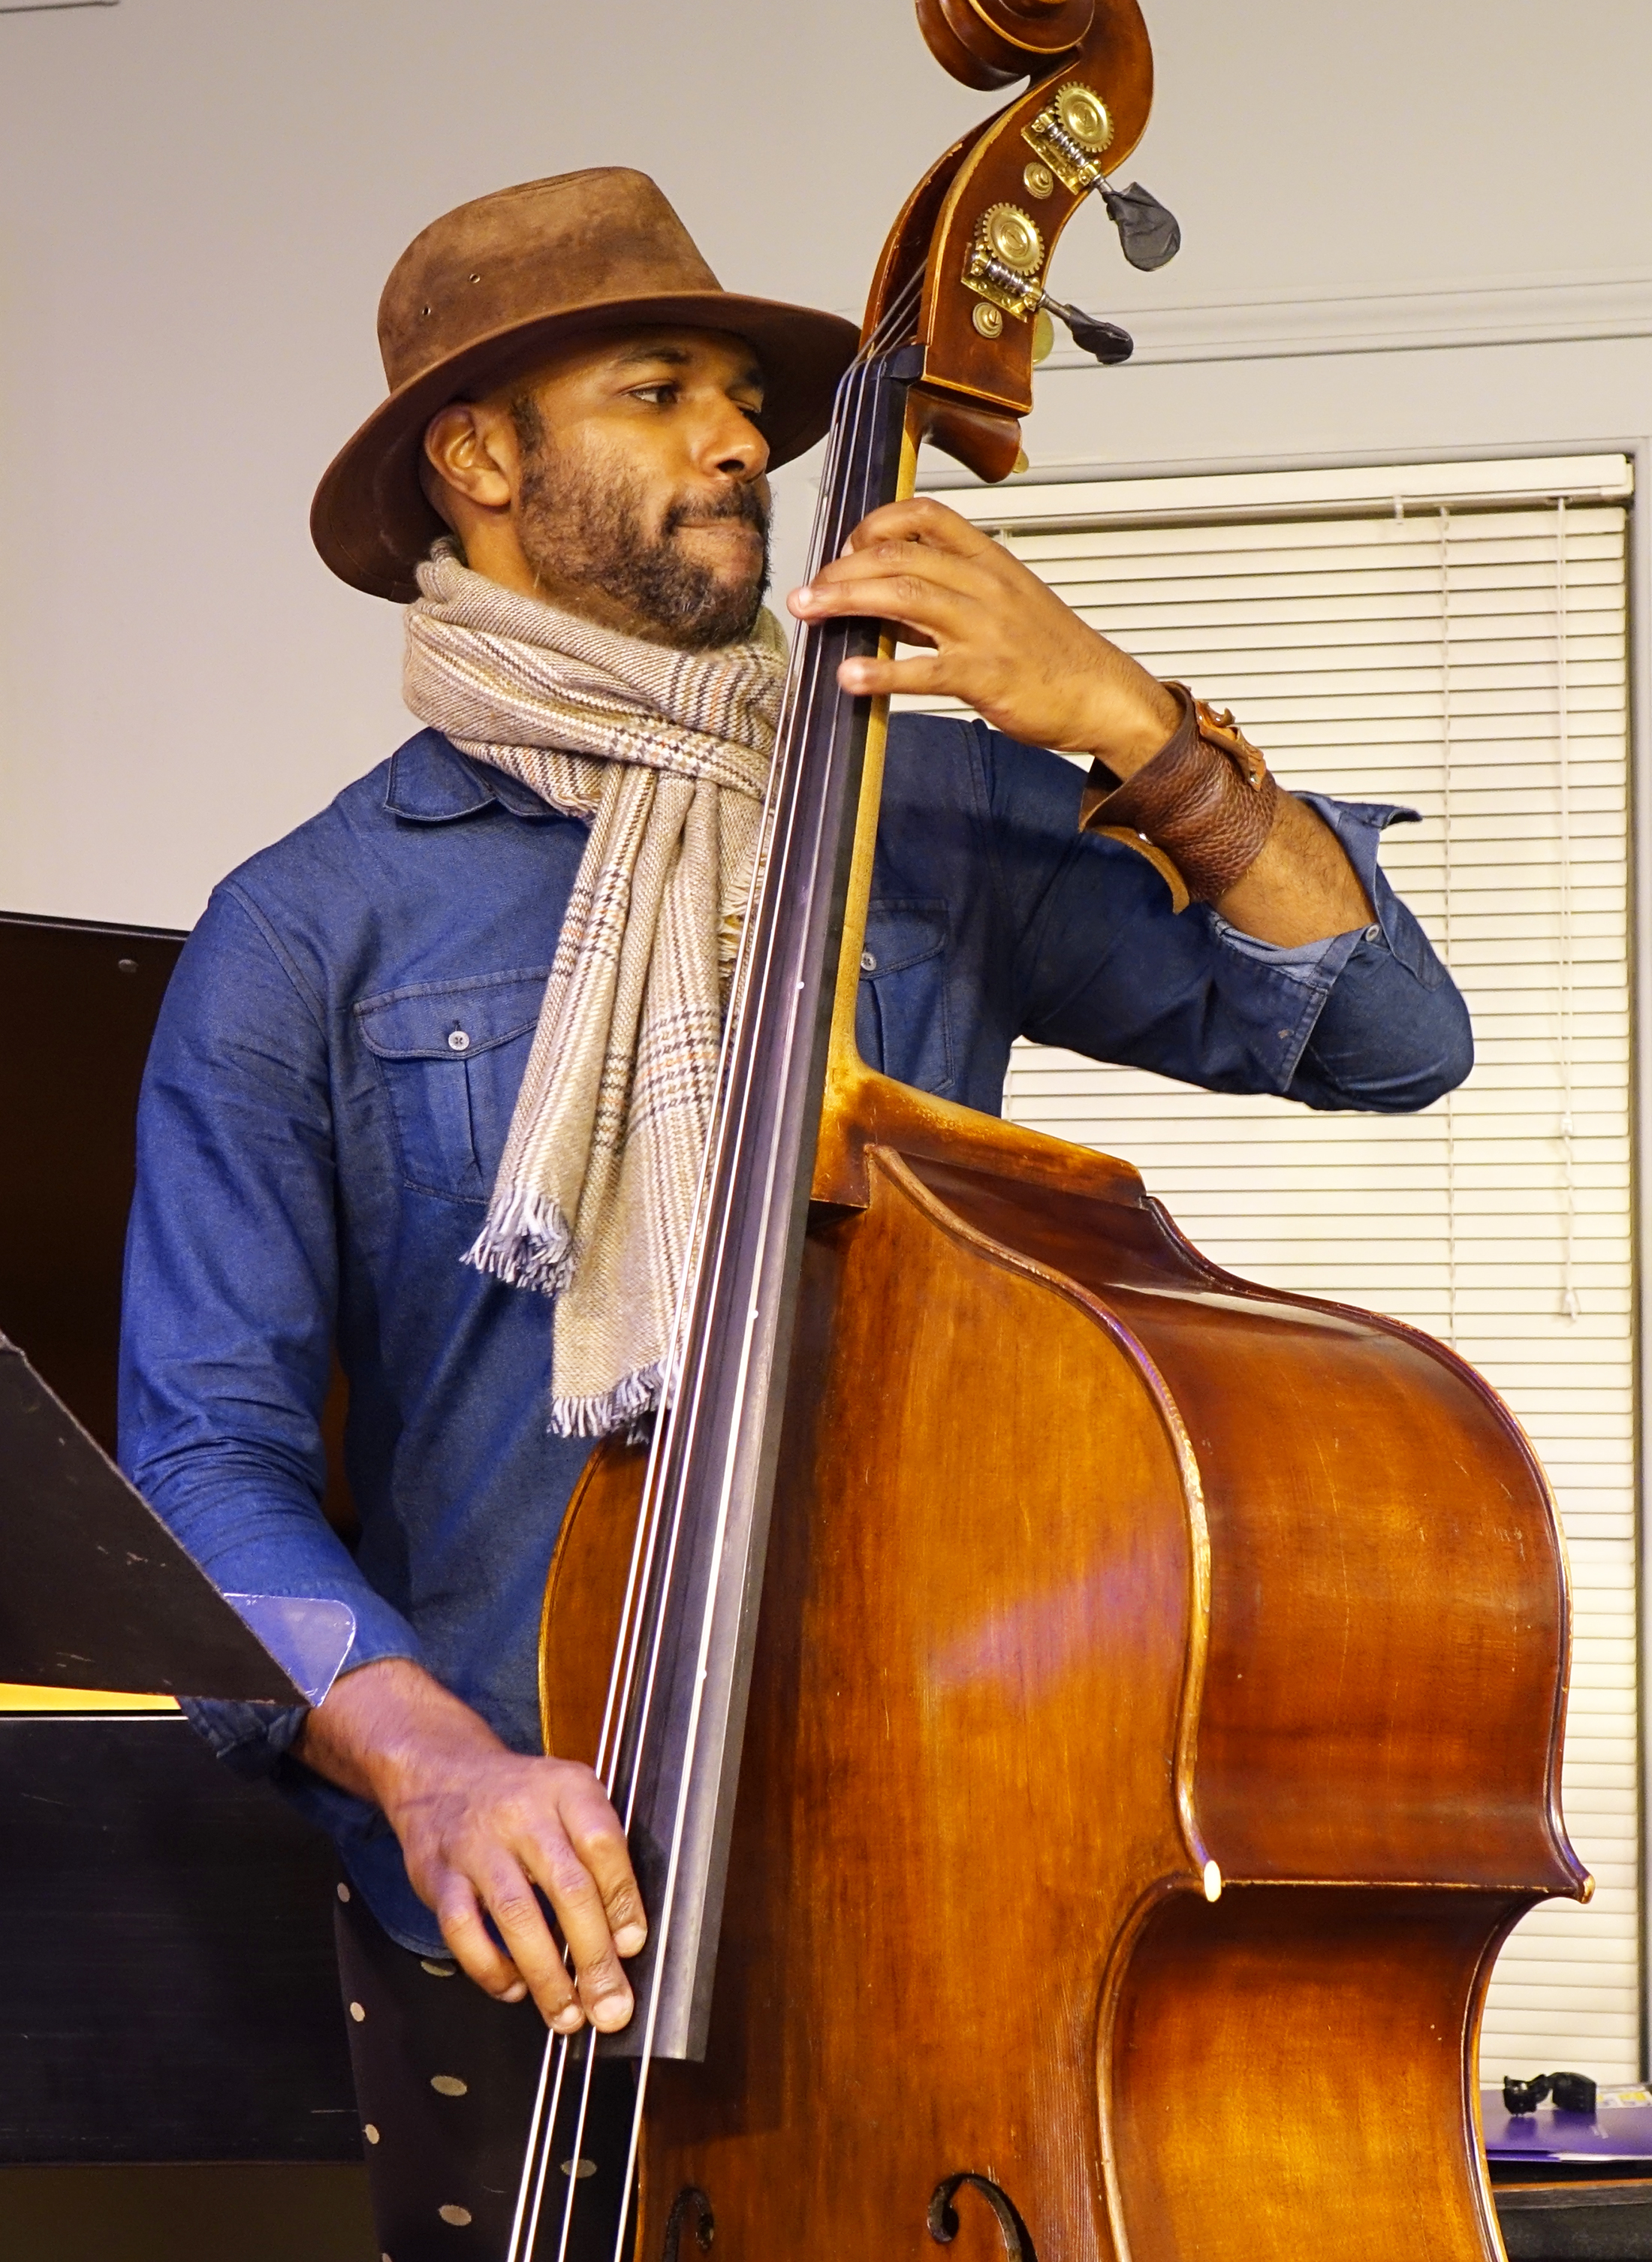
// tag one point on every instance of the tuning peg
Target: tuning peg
(1105, 340)
(1149, 235)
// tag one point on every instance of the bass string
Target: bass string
(682, 1407)
(759, 938)
(805, 660)
(730, 1123)
(822, 519)
(806, 657)
(837, 522)
(852, 506)
(683, 1415)
(740, 989)
(544, 2119)
(802, 691)
(547, 2104)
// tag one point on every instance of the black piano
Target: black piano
(174, 2083)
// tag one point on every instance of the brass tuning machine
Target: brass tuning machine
(1006, 255)
(1069, 138)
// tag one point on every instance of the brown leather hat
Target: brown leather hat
(486, 289)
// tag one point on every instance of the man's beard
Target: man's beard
(585, 523)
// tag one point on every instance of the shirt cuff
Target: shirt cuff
(253, 1740)
(1300, 959)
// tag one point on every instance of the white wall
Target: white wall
(200, 200)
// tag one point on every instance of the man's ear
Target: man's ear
(472, 457)
(437, 492)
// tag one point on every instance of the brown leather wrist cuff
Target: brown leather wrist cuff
(1199, 812)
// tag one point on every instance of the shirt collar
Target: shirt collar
(431, 782)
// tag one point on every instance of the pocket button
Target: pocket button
(458, 1041)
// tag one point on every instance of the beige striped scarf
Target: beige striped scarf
(667, 753)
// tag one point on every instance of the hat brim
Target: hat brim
(370, 519)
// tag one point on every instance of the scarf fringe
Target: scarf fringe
(527, 1243)
(626, 1407)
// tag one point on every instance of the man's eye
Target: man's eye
(659, 394)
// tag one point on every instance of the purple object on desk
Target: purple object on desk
(1619, 2128)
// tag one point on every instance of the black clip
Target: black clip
(1572, 2093)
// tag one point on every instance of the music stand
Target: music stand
(95, 1593)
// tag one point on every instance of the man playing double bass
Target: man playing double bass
(466, 1013)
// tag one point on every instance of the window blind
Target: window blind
(1452, 638)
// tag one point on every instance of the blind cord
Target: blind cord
(1571, 1303)
(1447, 858)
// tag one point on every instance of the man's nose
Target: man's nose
(733, 445)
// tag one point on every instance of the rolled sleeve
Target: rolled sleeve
(1369, 1018)
(231, 1291)
(1378, 1025)
(1392, 1034)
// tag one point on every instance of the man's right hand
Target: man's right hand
(480, 1826)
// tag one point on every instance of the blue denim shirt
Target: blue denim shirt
(315, 1155)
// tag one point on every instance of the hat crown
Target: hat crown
(529, 252)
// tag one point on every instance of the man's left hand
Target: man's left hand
(998, 639)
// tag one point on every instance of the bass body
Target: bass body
(1154, 1735)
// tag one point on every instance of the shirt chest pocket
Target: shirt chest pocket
(901, 1023)
(451, 1057)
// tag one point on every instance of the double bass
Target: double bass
(1085, 1724)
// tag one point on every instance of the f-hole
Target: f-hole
(691, 2205)
(943, 2217)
